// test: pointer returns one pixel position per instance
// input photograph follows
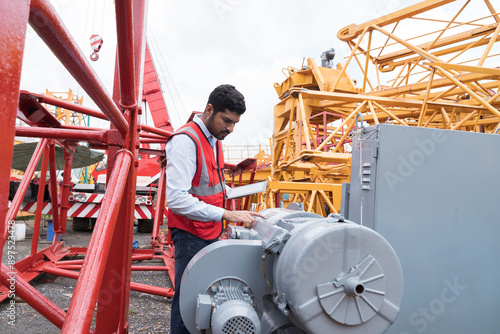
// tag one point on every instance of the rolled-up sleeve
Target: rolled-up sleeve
(181, 167)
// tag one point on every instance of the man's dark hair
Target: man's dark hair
(227, 97)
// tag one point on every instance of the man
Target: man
(195, 184)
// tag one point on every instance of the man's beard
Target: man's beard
(210, 125)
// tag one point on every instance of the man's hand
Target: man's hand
(245, 217)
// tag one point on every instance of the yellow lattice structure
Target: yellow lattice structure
(66, 116)
(69, 117)
(417, 69)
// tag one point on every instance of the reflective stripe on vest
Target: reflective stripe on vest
(204, 187)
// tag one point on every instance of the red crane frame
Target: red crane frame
(104, 279)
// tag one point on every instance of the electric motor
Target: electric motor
(294, 272)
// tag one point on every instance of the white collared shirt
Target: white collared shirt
(181, 167)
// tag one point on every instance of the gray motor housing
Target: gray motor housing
(295, 272)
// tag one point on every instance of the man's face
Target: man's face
(222, 123)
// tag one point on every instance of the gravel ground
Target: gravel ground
(147, 313)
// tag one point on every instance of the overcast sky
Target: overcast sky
(198, 45)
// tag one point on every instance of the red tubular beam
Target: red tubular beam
(77, 251)
(82, 306)
(113, 298)
(68, 267)
(152, 136)
(125, 46)
(77, 127)
(153, 141)
(49, 26)
(31, 296)
(152, 129)
(153, 290)
(166, 292)
(141, 257)
(21, 191)
(61, 272)
(53, 184)
(77, 135)
(160, 205)
(136, 268)
(148, 151)
(66, 189)
(39, 201)
(149, 268)
(69, 262)
(68, 105)
(13, 27)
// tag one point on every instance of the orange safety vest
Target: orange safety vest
(207, 185)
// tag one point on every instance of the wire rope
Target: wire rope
(171, 88)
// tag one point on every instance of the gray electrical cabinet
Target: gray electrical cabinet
(434, 196)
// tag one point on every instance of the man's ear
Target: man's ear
(209, 110)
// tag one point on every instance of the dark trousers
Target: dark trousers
(186, 246)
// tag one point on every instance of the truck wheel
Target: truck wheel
(81, 224)
(145, 225)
